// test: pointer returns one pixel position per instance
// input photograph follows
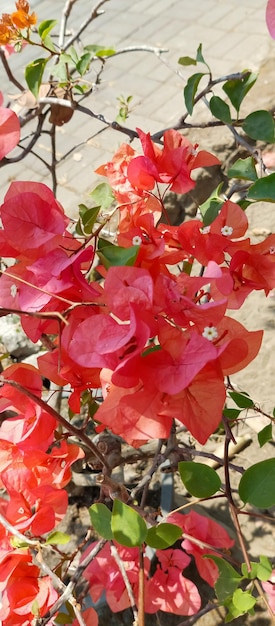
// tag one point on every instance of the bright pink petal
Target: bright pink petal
(9, 131)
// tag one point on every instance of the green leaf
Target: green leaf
(199, 479)
(88, 217)
(259, 125)
(236, 89)
(228, 580)
(190, 91)
(261, 570)
(103, 195)
(18, 543)
(63, 619)
(57, 538)
(200, 57)
(72, 53)
(243, 600)
(45, 28)
(100, 51)
(231, 414)
(211, 207)
(163, 536)
(257, 484)
(263, 189)
(265, 435)
(241, 399)
(129, 528)
(101, 520)
(111, 255)
(83, 64)
(244, 169)
(34, 74)
(220, 109)
(187, 61)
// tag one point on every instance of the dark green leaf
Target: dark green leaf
(103, 195)
(263, 189)
(63, 619)
(200, 58)
(237, 89)
(45, 28)
(190, 91)
(265, 435)
(211, 207)
(163, 536)
(89, 219)
(199, 479)
(34, 74)
(129, 528)
(187, 61)
(110, 254)
(259, 125)
(231, 414)
(228, 579)
(101, 520)
(220, 109)
(244, 169)
(257, 484)
(241, 400)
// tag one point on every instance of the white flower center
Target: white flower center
(227, 230)
(210, 333)
(136, 241)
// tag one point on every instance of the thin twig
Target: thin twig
(16, 533)
(93, 15)
(8, 71)
(126, 581)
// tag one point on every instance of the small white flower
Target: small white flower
(227, 231)
(13, 291)
(136, 241)
(272, 250)
(210, 333)
(205, 230)
(21, 510)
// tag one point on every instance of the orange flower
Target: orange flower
(21, 18)
(10, 25)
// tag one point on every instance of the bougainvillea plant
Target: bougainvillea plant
(136, 328)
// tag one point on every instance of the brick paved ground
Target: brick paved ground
(233, 35)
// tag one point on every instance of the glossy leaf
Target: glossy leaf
(257, 484)
(220, 109)
(190, 91)
(199, 479)
(34, 74)
(231, 414)
(265, 435)
(244, 169)
(263, 189)
(211, 207)
(241, 400)
(101, 520)
(228, 580)
(237, 89)
(129, 528)
(163, 536)
(83, 64)
(259, 125)
(88, 217)
(45, 28)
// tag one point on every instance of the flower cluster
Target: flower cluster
(11, 24)
(166, 588)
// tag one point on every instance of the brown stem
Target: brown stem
(8, 71)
